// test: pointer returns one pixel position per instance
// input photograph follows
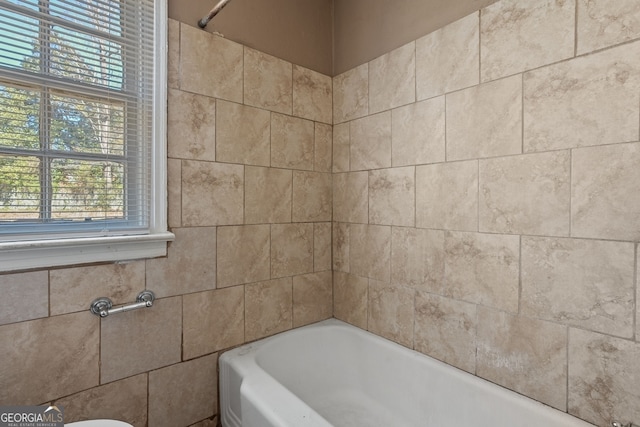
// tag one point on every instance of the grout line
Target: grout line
(575, 31)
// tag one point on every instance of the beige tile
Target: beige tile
(589, 100)
(583, 283)
(190, 265)
(417, 258)
(190, 386)
(191, 126)
(243, 134)
(351, 94)
(312, 298)
(322, 148)
(351, 197)
(483, 269)
(526, 194)
(340, 247)
(173, 54)
(210, 65)
(312, 95)
(350, 298)
(447, 196)
(73, 289)
(603, 378)
(605, 192)
(174, 192)
(322, 246)
(25, 296)
(268, 308)
(603, 23)
(391, 312)
(213, 321)
(370, 142)
(445, 329)
(516, 36)
(485, 120)
(125, 351)
(341, 148)
(65, 348)
(525, 355)
(292, 142)
(124, 400)
(448, 58)
(268, 81)
(637, 295)
(212, 193)
(209, 422)
(311, 196)
(392, 79)
(291, 249)
(392, 196)
(243, 254)
(268, 193)
(418, 133)
(370, 251)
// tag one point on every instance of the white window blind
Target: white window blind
(78, 88)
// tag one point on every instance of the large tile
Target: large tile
(605, 192)
(312, 298)
(268, 193)
(291, 249)
(417, 258)
(525, 355)
(322, 246)
(418, 133)
(351, 94)
(191, 126)
(370, 142)
(124, 400)
(268, 308)
(483, 269)
(351, 197)
(448, 59)
(603, 378)
(292, 142)
(312, 95)
(340, 247)
(73, 289)
(65, 349)
(242, 134)
(445, 329)
(311, 196)
(125, 351)
(213, 321)
(244, 254)
(350, 296)
(516, 36)
(485, 120)
(447, 196)
(190, 264)
(268, 81)
(590, 100)
(190, 386)
(392, 79)
(604, 23)
(583, 283)
(322, 147)
(370, 251)
(391, 312)
(173, 54)
(25, 296)
(174, 192)
(526, 194)
(212, 193)
(210, 65)
(637, 295)
(340, 149)
(392, 196)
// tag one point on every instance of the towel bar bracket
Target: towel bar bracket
(103, 306)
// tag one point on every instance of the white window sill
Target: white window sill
(59, 252)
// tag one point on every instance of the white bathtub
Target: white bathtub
(334, 374)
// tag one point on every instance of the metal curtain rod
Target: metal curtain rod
(216, 9)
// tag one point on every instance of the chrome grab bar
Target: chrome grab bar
(102, 307)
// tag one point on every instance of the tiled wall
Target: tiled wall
(249, 164)
(487, 200)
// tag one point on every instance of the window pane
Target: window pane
(19, 188)
(104, 16)
(19, 117)
(18, 41)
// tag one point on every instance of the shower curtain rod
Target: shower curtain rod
(216, 9)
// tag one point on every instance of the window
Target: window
(82, 131)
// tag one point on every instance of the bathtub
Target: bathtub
(334, 374)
